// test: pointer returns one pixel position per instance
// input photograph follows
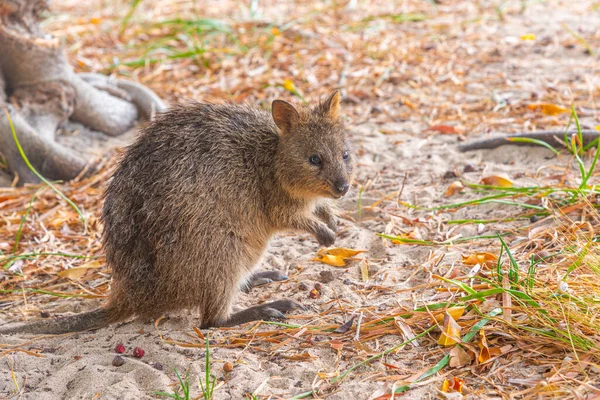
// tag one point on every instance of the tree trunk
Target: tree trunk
(41, 92)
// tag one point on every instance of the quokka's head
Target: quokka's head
(314, 156)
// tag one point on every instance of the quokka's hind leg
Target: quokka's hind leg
(262, 278)
(268, 311)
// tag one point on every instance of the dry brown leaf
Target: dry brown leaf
(345, 327)
(300, 357)
(78, 272)
(497, 180)
(336, 344)
(450, 332)
(459, 357)
(455, 187)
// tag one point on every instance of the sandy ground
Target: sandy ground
(392, 156)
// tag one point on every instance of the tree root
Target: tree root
(50, 159)
(42, 93)
(147, 102)
(551, 137)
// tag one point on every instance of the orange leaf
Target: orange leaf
(289, 85)
(485, 352)
(452, 385)
(487, 259)
(455, 312)
(446, 386)
(445, 129)
(496, 180)
(455, 187)
(341, 252)
(548, 108)
(328, 259)
(450, 332)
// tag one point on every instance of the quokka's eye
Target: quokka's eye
(314, 160)
(346, 155)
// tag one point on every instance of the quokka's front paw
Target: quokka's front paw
(325, 236)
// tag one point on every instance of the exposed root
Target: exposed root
(45, 92)
(553, 138)
(49, 158)
(147, 102)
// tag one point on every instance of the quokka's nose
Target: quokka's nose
(342, 187)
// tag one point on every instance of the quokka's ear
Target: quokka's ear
(331, 107)
(284, 115)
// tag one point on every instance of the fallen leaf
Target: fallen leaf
(548, 108)
(341, 252)
(328, 259)
(487, 259)
(445, 129)
(497, 180)
(455, 187)
(336, 344)
(337, 256)
(289, 86)
(345, 327)
(455, 312)
(300, 357)
(450, 332)
(528, 37)
(485, 352)
(452, 385)
(459, 357)
(78, 272)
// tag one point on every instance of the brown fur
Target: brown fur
(195, 200)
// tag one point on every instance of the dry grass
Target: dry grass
(415, 63)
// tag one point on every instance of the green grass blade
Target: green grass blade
(535, 141)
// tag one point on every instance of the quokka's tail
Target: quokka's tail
(90, 320)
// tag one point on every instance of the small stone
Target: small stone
(228, 367)
(326, 276)
(45, 314)
(118, 361)
(138, 352)
(373, 269)
(347, 281)
(120, 348)
(318, 286)
(450, 175)
(303, 286)
(469, 168)
(158, 366)
(534, 219)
